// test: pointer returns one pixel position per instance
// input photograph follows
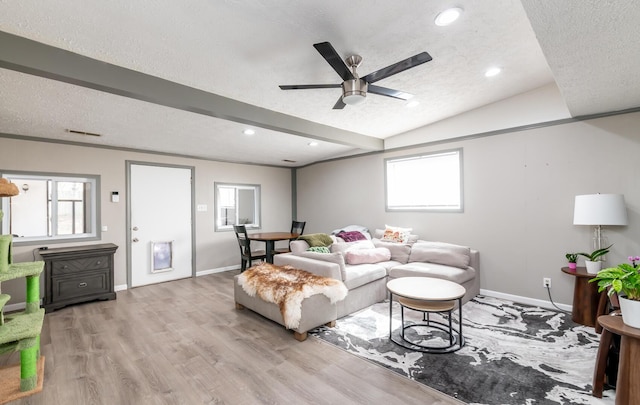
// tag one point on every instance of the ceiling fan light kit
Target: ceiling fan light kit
(354, 91)
(355, 88)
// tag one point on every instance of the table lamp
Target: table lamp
(598, 210)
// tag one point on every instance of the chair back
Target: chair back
(243, 240)
(297, 227)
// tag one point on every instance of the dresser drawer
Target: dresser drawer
(80, 264)
(81, 285)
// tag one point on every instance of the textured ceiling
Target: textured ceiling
(244, 50)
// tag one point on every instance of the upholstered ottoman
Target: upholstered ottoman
(306, 311)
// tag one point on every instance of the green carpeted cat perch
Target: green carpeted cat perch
(20, 331)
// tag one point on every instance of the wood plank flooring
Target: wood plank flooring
(183, 342)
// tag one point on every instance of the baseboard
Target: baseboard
(525, 300)
(15, 307)
(218, 270)
(120, 287)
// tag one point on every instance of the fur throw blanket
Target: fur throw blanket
(288, 287)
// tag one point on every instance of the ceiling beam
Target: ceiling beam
(35, 58)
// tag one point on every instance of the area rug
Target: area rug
(514, 353)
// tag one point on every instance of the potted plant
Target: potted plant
(572, 258)
(593, 262)
(624, 280)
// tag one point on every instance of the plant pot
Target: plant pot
(630, 312)
(593, 267)
(572, 266)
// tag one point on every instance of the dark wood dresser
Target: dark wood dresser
(78, 274)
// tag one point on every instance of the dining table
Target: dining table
(270, 239)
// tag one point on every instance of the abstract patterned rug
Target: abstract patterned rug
(514, 353)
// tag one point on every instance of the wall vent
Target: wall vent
(73, 131)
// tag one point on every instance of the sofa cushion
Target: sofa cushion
(336, 258)
(360, 256)
(420, 269)
(399, 251)
(297, 246)
(440, 253)
(361, 274)
(343, 247)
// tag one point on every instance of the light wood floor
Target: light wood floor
(183, 342)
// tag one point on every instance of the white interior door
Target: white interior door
(160, 203)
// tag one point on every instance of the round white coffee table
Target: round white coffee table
(427, 295)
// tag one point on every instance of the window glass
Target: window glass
(51, 208)
(427, 182)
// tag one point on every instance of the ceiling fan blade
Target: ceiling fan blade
(336, 62)
(401, 66)
(310, 86)
(339, 104)
(383, 91)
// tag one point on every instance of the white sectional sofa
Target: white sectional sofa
(379, 261)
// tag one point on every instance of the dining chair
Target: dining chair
(296, 227)
(246, 255)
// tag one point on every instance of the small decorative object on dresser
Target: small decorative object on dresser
(78, 274)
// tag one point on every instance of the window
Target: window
(237, 204)
(52, 208)
(427, 182)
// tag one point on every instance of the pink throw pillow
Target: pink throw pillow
(362, 256)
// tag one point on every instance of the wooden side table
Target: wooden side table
(627, 387)
(586, 299)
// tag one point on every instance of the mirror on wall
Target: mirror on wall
(237, 204)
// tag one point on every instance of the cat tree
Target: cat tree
(20, 331)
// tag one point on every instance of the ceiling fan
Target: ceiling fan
(355, 88)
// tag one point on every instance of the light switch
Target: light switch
(202, 207)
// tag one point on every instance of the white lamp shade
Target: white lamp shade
(600, 209)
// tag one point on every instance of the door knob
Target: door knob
(136, 239)
(135, 228)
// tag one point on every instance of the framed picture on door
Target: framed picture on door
(161, 256)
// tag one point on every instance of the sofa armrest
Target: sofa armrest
(475, 261)
(318, 267)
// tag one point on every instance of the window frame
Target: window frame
(94, 205)
(256, 224)
(425, 208)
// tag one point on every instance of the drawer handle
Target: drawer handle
(65, 267)
(82, 285)
(98, 262)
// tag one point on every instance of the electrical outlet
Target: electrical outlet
(546, 282)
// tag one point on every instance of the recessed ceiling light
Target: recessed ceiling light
(492, 71)
(448, 16)
(412, 104)
(249, 131)
(313, 143)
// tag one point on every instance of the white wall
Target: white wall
(519, 191)
(539, 105)
(214, 250)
